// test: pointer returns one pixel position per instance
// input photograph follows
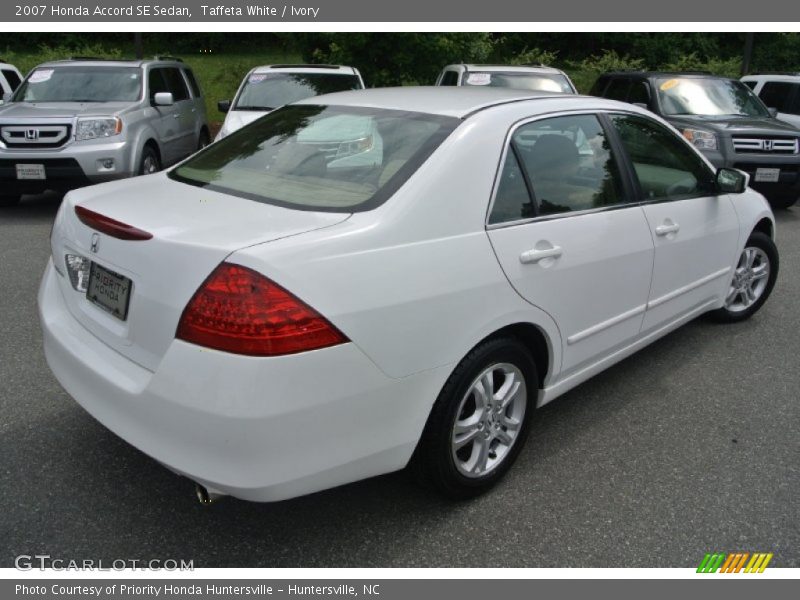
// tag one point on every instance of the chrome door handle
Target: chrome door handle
(667, 229)
(534, 256)
(176, 115)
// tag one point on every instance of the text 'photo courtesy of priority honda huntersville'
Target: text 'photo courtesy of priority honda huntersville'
(376, 279)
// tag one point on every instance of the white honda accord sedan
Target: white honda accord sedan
(375, 279)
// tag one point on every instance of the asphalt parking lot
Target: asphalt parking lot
(690, 446)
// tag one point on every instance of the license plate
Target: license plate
(109, 290)
(770, 175)
(30, 172)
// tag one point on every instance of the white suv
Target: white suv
(538, 78)
(780, 91)
(10, 78)
(268, 87)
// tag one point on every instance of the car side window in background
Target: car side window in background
(794, 108)
(12, 78)
(751, 84)
(512, 201)
(666, 167)
(176, 84)
(569, 164)
(617, 89)
(449, 78)
(193, 83)
(776, 94)
(156, 82)
(639, 93)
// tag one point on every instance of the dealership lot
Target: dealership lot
(688, 447)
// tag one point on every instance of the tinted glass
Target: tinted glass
(176, 84)
(12, 78)
(81, 84)
(512, 200)
(193, 83)
(449, 78)
(569, 164)
(618, 89)
(710, 97)
(265, 91)
(777, 94)
(544, 82)
(319, 157)
(156, 82)
(639, 93)
(666, 167)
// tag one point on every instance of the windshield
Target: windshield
(708, 97)
(266, 91)
(324, 158)
(81, 84)
(540, 82)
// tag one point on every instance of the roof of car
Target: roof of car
(103, 62)
(509, 68)
(304, 68)
(448, 101)
(647, 74)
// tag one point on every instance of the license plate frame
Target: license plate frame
(30, 171)
(767, 175)
(109, 291)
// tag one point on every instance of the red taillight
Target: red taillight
(110, 226)
(238, 310)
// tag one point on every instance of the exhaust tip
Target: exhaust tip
(206, 496)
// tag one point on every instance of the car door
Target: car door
(567, 237)
(694, 228)
(166, 121)
(184, 112)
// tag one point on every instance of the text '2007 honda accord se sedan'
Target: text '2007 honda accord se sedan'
(374, 279)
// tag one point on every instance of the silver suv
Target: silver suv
(522, 77)
(82, 121)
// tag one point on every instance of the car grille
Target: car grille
(35, 136)
(760, 145)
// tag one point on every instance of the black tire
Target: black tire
(145, 166)
(6, 201)
(782, 203)
(204, 140)
(434, 463)
(764, 243)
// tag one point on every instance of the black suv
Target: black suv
(724, 119)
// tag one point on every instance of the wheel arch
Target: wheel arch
(765, 226)
(534, 339)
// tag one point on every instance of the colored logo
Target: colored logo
(735, 562)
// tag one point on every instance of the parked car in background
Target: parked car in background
(520, 77)
(270, 319)
(780, 91)
(82, 121)
(10, 78)
(269, 87)
(724, 119)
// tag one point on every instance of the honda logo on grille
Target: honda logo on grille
(32, 134)
(767, 144)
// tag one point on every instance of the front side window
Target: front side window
(666, 167)
(618, 89)
(267, 91)
(326, 158)
(81, 84)
(12, 78)
(707, 97)
(777, 95)
(449, 78)
(537, 82)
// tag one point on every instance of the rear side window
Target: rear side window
(778, 94)
(176, 84)
(666, 167)
(449, 78)
(12, 78)
(193, 83)
(569, 165)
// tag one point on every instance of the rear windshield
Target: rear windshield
(81, 84)
(266, 91)
(538, 82)
(708, 97)
(323, 158)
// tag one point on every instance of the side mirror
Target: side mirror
(732, 181)
(163, 99)
(224, 106)
(773, 112)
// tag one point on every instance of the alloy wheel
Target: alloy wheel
(749, 280)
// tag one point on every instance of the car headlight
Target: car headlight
(93, 129)
(704, 140)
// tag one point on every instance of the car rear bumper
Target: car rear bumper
(260, 429)
(70, 167)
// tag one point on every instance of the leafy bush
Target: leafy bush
(534, 56)
(730, 67)
(609, 60)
